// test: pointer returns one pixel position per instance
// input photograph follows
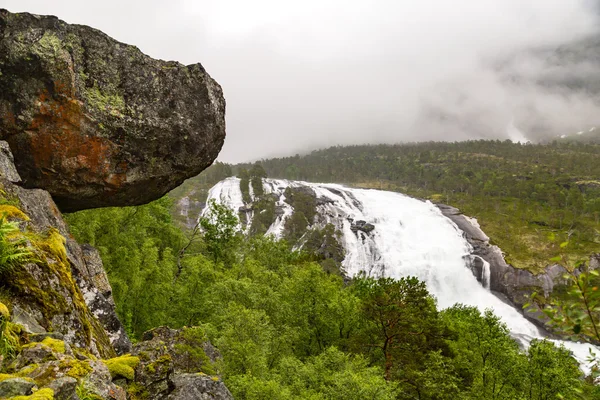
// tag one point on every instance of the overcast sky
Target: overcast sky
(301, 75)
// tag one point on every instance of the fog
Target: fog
(303, 75)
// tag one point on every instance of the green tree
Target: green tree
(321, 312)
(487, 359)
(220, 232)
(401, 322)
(245, 185)
(246, 340)
(551, 373)
(257, 173)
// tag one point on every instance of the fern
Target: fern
(13, 247)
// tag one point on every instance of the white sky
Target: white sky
(307, 74)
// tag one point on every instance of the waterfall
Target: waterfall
(486, 273)
(411, 238)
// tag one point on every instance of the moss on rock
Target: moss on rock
(123, 366)
(76, 368)
(56, 345)
(11, 211)
(42, 394)
(4, 311)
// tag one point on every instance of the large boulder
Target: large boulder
(96, 122)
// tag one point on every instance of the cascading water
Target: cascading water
(411, 238)
(486, 273)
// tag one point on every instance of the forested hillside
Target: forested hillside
(528, 198)
(287, 329)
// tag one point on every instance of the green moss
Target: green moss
(137, 391)
(82, 353)
(44, 374)
(144, 356)
(42, 394)
(4, 311)
(162, 361)
(27, 370)
(9, 338)
(101, 100)
(76, 368)
(192, 351)
(48, 46)
(84, 391)
(8, 198)
(11, 211)
(56, 345)
(51, 244)
(122, 367)
(4, 377)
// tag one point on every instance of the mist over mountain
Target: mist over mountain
(321, 73)
(534, 94)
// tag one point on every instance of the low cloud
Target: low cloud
(303, 75)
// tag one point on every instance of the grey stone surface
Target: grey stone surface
(98, 123)
(27, 321)
(67, 293)
(513, 284)
(7, 164)
(65, 388)
(198, 387)
(15, 387)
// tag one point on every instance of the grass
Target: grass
(529, 233)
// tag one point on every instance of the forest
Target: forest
(288, 328)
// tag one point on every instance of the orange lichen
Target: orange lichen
(60, 142)
(7, 117)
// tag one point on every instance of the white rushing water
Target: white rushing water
(411, 238)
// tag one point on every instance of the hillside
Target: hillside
(530, 199)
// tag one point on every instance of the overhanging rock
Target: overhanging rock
(97, 123)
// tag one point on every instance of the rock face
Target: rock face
(168, 364)
(15, 387)
(65, 288)
(96, 122)
(360, 225)
(515, 285)
(178, 365)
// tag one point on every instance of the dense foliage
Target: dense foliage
(289, 330)
(528, 198)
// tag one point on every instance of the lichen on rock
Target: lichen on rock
(98, 123)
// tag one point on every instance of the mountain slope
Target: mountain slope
(528, 198)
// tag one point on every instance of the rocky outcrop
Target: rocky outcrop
(96, 122)
(178, 364)
(63, 288)
(169, 364)
(360, 225)
(64, 329)
(510, 283)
